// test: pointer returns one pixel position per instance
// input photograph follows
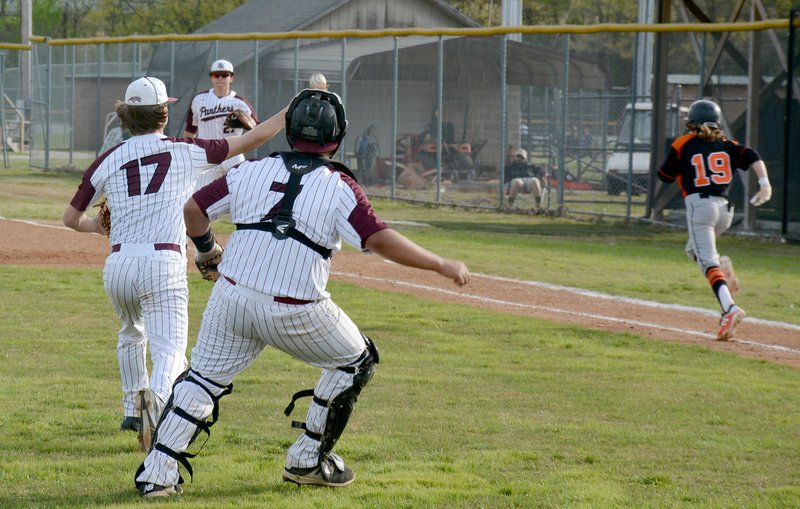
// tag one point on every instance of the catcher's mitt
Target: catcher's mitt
(207, 262)
(239, 119)
(104, 215)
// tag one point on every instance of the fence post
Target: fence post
(48, 71)
(438, 110)
(395, 85)
(3, 126)
(562, 157)
(787, 128)
(503, 117)
(632, 137)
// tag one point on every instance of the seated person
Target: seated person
(518, 168)
(533, 181)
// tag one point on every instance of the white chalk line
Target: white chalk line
(578, 291)
(34, 223)
(594, 316)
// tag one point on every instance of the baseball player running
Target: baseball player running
(207, 113)
(147, 180)
(291, 210)
(703, 163)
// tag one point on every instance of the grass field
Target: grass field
(468, 409)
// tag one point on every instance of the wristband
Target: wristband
(204, 243)
(763, 182)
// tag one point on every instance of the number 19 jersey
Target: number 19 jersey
(705, 167)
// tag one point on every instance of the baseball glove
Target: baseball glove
(207, 262)
(104, 215)
(240, 119)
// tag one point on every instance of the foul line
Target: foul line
(34, 223)
(539, 284)
(550, 309)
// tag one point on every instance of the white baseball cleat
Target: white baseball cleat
(728, 323)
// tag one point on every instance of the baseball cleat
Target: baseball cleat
(150, 490)
(726, 266)
(146, 407)
(331, 472)
(130, 423)
(728, 323)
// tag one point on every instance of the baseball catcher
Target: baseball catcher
(239, 119)
(292, 211)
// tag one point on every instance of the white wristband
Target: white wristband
(763, 182)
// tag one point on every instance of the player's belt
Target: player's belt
(142, 249)
(282, 300)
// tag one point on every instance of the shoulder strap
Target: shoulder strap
(282, 225)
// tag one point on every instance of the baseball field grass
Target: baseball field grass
(469, 408)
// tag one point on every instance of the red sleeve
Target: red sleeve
(86, 191)
(216, 150)
(252, 110)
(363, 217)
(211, 194)
(190, 127)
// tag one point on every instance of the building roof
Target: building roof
(266, 16)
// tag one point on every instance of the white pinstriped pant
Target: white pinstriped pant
(237, 325)
(151, 297)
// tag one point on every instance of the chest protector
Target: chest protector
(282, 224)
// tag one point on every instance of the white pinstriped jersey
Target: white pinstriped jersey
(330, 206)
(206, 118)
(147, 180)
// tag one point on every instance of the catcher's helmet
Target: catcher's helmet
(703, 112)
(315, 122)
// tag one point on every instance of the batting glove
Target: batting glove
(764, 192)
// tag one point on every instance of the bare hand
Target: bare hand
(456, 271)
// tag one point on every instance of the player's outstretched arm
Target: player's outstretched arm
(257, 136)
(397, 248)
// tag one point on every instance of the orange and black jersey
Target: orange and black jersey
(705, 167)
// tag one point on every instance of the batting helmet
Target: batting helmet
(704, 112)
(315, 122)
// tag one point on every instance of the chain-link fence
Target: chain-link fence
(439, 119)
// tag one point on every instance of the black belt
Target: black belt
(158, 247)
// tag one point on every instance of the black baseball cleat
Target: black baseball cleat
(149, 490)
(331, 472)
(130, 423)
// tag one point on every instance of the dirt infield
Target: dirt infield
(44, 244)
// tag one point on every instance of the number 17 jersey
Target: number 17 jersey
(147, 180)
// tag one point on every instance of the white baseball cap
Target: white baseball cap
(222, 66)
(147, 91)
(521, 152)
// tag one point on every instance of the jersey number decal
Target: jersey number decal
(719, 165)
(132, 171)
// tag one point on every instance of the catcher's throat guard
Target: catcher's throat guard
(340, 408)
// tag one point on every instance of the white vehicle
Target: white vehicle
(631, 154)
